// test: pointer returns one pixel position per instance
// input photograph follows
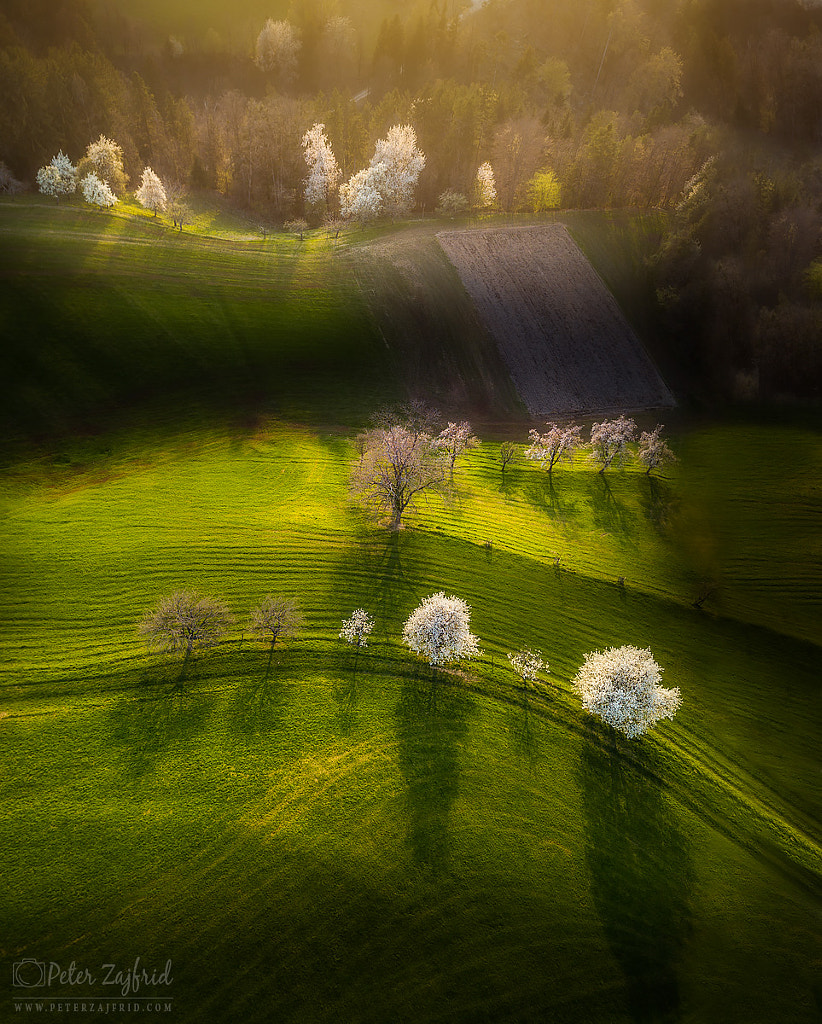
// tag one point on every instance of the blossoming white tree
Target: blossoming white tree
(653, 451)
(58, 178)
(362, 197)
(621, 686)
(527, 665)
(403, 162)
(323, 171)
(438, 630)
(151, 194)
(278, 49)
(96, 191)
(106, 160)
(554, 446)
(355, 631)
(453, 440)
(485, 187)
(452, 203)
(357, 628)
(610, 439)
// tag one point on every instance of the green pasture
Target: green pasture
(364, 840)
(388, 844)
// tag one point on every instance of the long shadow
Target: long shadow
(259, 703)
(659, 504)
(432, 718)
(609, 513)
(555, 498)
(640, 869)
(144, 728)
(523, 726)
(346, 693)
(384, 586)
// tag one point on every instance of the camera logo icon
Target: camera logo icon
(28, 973)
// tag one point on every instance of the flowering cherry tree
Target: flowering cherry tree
(556, 445)
(610, 439)
(96, 191)
(438, 630)
(278, 49)
(106, 159)
(356, 629)
(485, 187)
(58, 178)
(362, 197)
(527, 665)
(323, 171)
(653, 451)
(387, 185)
(399, 154)
(453, 440)
(151, 194)
(621, 686)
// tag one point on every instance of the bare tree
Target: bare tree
(298, 226)
(417, 416)
(186, 621)
(453, 440)
(178, 208)
(507, 454)
(275, 618)
(397, 466)
(333, 226)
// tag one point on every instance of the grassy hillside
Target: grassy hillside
(110, 311)
(317, 832)
(109, 314)
(319, 844)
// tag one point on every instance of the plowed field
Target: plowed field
(567, 345)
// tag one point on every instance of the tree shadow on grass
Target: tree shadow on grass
(659, 504)
(556, 499)
(432, 718)
(383, 585)
(609, 512)
(639, 866)
(145, 727)
(259, 701)
(346, 694)
(524, 729)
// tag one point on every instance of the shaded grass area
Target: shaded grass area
(319, 845)
(101, 312)
(104, 314)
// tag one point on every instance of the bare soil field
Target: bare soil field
(566, 343)
(440, 347)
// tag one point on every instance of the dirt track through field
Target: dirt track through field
(567, 345)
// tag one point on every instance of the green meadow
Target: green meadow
(365, 840)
